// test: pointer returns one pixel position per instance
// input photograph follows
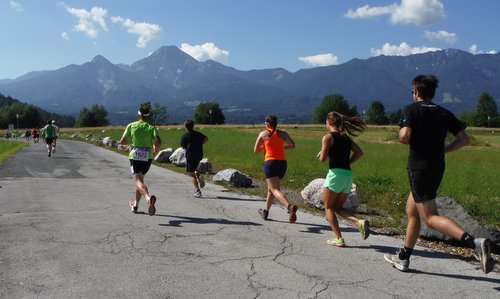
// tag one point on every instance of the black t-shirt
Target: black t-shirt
(340, 153)
(192, 142)
(429, 125)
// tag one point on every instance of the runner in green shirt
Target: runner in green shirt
(145, 142)
(48, 135)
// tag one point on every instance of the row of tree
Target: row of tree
(13, 112)
(486, 114)
(205, 113)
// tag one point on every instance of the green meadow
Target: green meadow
(471, 176)
(9, 147)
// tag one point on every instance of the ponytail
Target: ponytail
(350, 125)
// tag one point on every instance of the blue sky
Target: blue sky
(254, 34)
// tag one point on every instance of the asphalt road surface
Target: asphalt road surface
(66, 231)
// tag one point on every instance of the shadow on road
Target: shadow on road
(423, 253)
(178, 223)
(456, 276)
(237, 198)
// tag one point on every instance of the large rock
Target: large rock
(233, 177)
(205, 166)
(164, 155)
(108, 141)
(178, 157)
(450, 208)
(313, 195)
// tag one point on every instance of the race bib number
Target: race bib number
(141, 154)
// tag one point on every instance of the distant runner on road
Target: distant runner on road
(192, 141)
(48, 135)
(144, 141)
(56, 133)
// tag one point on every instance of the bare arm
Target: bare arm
(156, 145)
(460, 141)
(326, 143)
(123, 140)
(259, 144)
(405, 135)
(288, 140)
(357, 152)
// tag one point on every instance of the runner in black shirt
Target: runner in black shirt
(192, 141)
(424, 127)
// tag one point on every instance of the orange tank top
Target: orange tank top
(274, 147)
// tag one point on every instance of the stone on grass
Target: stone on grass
(313, 195)
(233, 177)
(178, 157)
(164, 155)
(205, 166)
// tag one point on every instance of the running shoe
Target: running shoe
(151, 203)
(201, 180)
(364, 228)
(49, 153)
(133, 206)
(401, 265)
(292, 210)
(197, 193)
(336, 242)
(482, 252)
(263, 213)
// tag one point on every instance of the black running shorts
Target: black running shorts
(275, 168)
(140, 166)
(192, 164)
(425, 183)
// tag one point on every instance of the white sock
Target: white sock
(148, 197)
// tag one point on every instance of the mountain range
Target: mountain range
(174, 79)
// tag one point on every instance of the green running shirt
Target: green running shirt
(140, 134)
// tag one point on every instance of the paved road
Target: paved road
(66, 232)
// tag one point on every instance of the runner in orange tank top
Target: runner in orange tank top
(274, 142)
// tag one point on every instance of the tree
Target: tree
(467, 117)
(209, 113)
(376, 114)
(96, 116)
(334, 102)
(395, 117)
(486, 111)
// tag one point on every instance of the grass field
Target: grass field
(471, 176)
(9, 147)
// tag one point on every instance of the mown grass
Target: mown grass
(471, 176)
(9, 147)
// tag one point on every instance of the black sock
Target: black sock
(468, 240)
(405, 253)
(289, 207)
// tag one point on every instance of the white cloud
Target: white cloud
(16, 6)
(146, 31)
(365, 12)
(418, 12)
(320, 59)
(474, 49)
(402, 50)
(441, 35)
(205, 52)
(89, 21)
(65, 36)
